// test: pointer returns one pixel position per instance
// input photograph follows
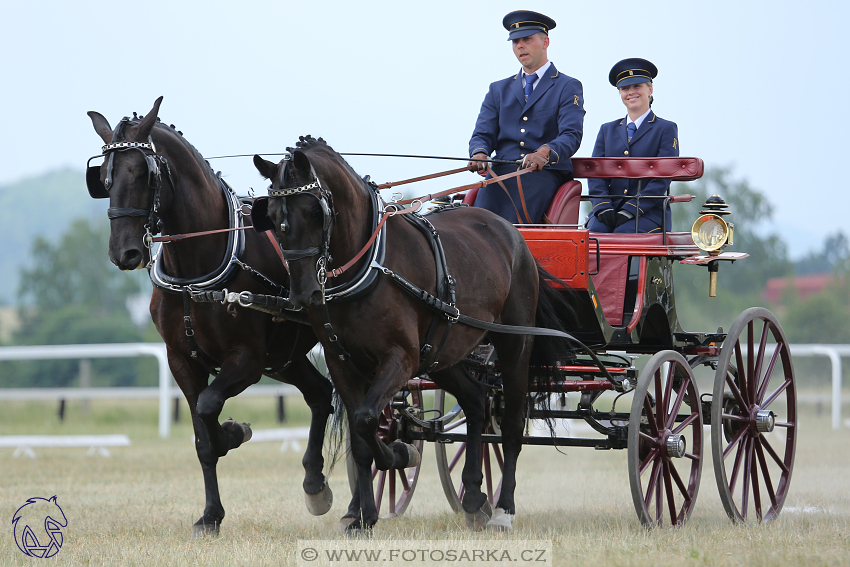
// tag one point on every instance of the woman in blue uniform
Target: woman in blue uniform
(640, 134)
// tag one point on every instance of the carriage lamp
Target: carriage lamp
(711, 233)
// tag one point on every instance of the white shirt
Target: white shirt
(540, 72)
(639, 120)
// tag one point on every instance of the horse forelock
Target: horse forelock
(329, 163)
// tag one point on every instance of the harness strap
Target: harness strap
(390, 184)
(194, 350)
(118, 212)
(508, 193)
(454, 315)
(478, 184)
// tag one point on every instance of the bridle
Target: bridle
(325, 199)
(156, 165)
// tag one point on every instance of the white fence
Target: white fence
(166, 392)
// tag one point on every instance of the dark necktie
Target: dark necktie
(529, 84)
(631, 127)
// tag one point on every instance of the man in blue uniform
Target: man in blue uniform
(640, 134)
(534, 118)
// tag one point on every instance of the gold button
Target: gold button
(522, 130)
(522, 143)
(626, 191)
(625, 153)
(525, 117)
(521, 155)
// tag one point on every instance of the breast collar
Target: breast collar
(367, 275)
(229, 264)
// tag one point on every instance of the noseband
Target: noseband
(328, 213)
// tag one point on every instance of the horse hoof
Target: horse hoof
(321, 502)
(501, 521)
(477, 521)
(344, 522)
(413, 456)
(201, 530)
(244, 427)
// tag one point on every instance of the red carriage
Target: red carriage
(627, 308)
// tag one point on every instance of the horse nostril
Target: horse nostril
(131, 260)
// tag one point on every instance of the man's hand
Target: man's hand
(537, 160)
(608, 217)
(478, 165)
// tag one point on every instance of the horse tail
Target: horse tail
(335, 431)
(554, 311)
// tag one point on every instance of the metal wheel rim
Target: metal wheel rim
(491, 457)
(398, 484)
(757, 469)
(664, 489)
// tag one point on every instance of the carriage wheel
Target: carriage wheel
(395, 487)
(450, 456)
(754, 417)
(665, 441)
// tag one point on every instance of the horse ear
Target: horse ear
(146, 125)
(264, 166)
(302, 165)
(101, 126)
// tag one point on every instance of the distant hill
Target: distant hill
(39, 206)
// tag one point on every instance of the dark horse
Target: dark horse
(155, 180)
(322, 213)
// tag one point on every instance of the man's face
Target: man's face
(531, 51)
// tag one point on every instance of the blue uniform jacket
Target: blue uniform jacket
(553, 116)
(656, 137)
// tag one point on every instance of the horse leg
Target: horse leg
(192, 380)
(470, 394)
(237, 372)
(318, 394)
(513, 354)
(391, 374)
(362, 511)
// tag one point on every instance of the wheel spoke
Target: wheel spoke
(379, 491)
(760, 357)
(405, 482)
(652, 482)
(649, 439)
(735, 391)
(745, 486)
(768, 483)
(769, 372)
(659, 495)
(691, 418)
(375, 472)
(755, 476)
(668, 394)
(733, 417)
(674, 411)
(660, 400)
(773, 454)
(457, 456)
(668, 485)
(737, 466)
(678, 479)
(751, 355)
(739, 360)
(775, 394)
(733, 442)
(392, 475)
(649, 459)
(647, 408)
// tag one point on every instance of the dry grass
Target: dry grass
(137, 507)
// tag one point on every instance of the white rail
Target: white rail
(165, 392)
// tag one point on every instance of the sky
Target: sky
(755, 86)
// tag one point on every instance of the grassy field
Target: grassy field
(137, 507)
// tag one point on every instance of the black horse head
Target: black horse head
(300, 212)
(129, 177)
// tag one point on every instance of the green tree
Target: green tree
(72, 294)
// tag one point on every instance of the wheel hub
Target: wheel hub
(765, 421)
(676, 446)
